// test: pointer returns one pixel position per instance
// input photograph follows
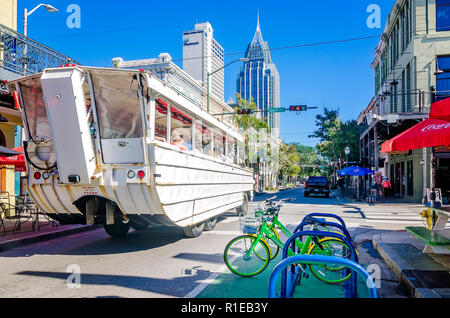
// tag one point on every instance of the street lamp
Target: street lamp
(347, 152)
(26, 14)
(214, 72)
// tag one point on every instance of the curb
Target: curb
(13, 243)
(399, 266)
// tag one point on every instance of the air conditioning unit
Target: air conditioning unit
(392, 119)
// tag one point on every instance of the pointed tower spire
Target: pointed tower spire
(258, 36)
(258, 27)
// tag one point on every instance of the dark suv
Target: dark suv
(317, 185)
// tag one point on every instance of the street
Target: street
(163, 263)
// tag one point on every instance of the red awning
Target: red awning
(429, 133)
(441, 110)
(17, 161)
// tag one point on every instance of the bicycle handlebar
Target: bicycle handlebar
(275, 207)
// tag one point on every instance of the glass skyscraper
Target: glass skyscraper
(259, 79)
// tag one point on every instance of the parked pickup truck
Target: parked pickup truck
(317, 185)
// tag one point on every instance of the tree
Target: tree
(335, 135)
(310, 161)
(249, 121)
(289, 161)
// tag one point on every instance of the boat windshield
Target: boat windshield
(34, 106)
(118, 106)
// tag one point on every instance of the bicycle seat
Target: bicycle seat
(317, 221)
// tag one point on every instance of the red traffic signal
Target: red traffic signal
(245, 112)
(298, 108)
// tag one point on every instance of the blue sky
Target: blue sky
(333, 76)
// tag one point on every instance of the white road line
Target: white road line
(393, 221)
(205, 283)
(391, 217)
(223, 233)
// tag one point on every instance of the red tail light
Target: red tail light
(306, 184)
(141, 174)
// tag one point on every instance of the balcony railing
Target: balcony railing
(21, 55)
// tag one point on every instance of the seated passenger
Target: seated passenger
(178, 141)
(160, 138)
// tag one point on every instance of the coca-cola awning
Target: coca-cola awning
(18, 161)
(429, 133)
(441, 110)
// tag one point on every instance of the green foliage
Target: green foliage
(249, 121)
(335, 135)
(289, 161)
(310, 161)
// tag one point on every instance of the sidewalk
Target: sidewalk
(44, 231)
(422, 275)
(390, 200)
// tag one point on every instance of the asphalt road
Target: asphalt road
(163, 263)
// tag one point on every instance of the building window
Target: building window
(443, 80)
(442, 15)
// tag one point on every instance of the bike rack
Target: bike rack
(328, 215)
(317, 260)
(291, 241)
(342, 226)
(300, 227)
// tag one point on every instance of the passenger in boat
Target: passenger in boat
(160, 138)
(178, 141)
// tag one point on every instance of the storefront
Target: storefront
(10, 137)
(443, 172)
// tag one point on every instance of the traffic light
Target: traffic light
(245, 111)
(298, 108)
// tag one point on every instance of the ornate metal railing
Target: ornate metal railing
(21, 55)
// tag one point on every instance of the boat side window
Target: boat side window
(231, 149)
(161, 120)
(34, 106)
(181, 129)
(219, 145)
(118, 105)
(207, 140)
(241, 153)
(198, 146)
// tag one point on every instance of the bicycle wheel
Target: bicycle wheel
(329, 273)
(273, 248)
(244, 262)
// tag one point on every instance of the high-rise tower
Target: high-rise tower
(259, 79)
(202, 55)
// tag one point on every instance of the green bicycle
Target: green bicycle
(249, 255)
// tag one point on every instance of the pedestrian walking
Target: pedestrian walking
(372, 197)
(378, 182)
(341, 183)
(387, 188)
